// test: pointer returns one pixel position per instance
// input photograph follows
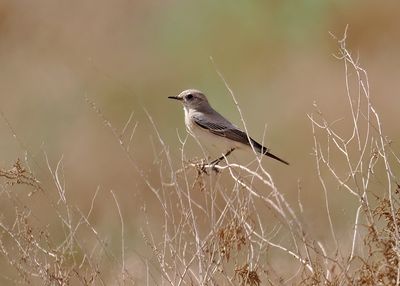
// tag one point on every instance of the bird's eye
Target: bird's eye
(189, 96)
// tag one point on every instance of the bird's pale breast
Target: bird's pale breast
(206, 138)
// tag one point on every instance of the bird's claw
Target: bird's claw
(204, 166)
(215, 169)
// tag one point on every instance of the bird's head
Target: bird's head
(192, 99)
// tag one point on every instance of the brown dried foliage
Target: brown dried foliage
(20, 175)
(380, 267)
(246, 276)
(231, 237)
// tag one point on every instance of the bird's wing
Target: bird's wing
(221, 129)
(226, 129)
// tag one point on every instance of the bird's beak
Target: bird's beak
(175, 97)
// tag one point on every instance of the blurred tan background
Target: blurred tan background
(127, 56)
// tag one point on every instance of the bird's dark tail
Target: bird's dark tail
(266, 152)
(275, 157)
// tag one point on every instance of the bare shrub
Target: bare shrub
(62, 248)
(215, 227)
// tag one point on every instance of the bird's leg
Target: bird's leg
(216, 161)
(203, 167)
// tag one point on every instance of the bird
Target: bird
(204, 123)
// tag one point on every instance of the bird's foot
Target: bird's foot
(213, 165)
(214, 168)
(203, 167)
